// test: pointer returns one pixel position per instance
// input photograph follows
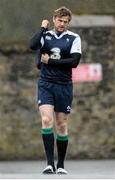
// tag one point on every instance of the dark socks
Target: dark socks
(62, 143)
(48, 140)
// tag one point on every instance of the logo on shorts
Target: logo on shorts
(68, 108)
(39, 101)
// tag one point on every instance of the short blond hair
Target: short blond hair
(63, 11)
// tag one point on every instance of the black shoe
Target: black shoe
(49, 170)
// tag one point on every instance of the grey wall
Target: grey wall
(19, 19)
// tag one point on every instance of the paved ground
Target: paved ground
(99, 169)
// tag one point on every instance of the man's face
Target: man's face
(61, 23)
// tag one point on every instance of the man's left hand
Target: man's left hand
(45, 58)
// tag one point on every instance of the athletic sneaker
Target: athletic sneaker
(61, 171)
(49, 170)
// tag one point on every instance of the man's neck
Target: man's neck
(59, 33)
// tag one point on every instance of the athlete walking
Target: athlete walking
(60, 51)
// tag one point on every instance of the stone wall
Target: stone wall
(92, 121)
(94, 103)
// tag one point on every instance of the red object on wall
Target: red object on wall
(87, 73)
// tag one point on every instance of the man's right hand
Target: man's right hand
(45, 23)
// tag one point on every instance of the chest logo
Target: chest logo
(48, 38)
(67, 39)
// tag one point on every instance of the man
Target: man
(60, 51)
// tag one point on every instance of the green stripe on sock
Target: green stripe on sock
(47, 131)
(62, 138)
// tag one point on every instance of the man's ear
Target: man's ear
(53, 19)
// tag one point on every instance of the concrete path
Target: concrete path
(99, 169)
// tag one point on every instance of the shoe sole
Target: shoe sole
(62, 173)
(48, 172)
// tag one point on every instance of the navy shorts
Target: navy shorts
(58, 95)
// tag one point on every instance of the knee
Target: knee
(46, 122)
(62, 128)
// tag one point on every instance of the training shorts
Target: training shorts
(56, 94)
